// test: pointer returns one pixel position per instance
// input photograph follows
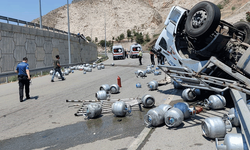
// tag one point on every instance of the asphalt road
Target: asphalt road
(47, 122)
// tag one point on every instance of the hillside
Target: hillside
(146, 16)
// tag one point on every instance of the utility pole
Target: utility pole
(68, 32)
(40, 14)
(105, 37)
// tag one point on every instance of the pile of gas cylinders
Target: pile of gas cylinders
(149, 70)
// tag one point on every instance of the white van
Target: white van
(134, 50)
(118, 52)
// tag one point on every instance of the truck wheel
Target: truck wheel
(245, 27)
(202, 19)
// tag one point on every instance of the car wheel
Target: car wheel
(245, 27)
(202, 19)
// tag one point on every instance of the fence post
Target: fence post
(6, 79)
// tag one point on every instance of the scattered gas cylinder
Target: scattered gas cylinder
(72, 71)
(233, 117)
(114, 88)
(152, 66)
(105, 87)
(138, 85)
(84, 72)
(156, 68)
(153, 85)
(154, 117)
(51, 72)
(112, 64)
(165, 107)
(232, 141)
(184, 107)
(148, 101)
(177, 85)
(102, 66)
(90, 66)
(120, 109)
(93, 110)
(66, 72)
(190, 94)
(94, 66)
(215, 102)
(88, 69)
(140, 73)
(215, 127)
(157, 73)
(99, 67)
(173, 117)
(102, 95)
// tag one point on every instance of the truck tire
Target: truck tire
(245, 27)
(202, 19)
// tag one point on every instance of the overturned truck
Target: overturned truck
(208, 53)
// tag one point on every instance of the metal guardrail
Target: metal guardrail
(8, 19)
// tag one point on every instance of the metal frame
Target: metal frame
(238, 90)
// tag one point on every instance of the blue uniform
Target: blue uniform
(21, 68)
(23, 79)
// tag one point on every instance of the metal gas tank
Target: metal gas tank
(140, 73)
(173, 117)
(154, 117)
(215, 127)
(215, 102)
(102, 95)
(99, 67)
(232, 141)
(105, 87)
(148, 101)
(93, 110)
(233, 117)
(190, 94)
(51, 72)
(152, 85)
(120, 109)
(114, 88)
(102, 66)
(184, 107)
(165, 107)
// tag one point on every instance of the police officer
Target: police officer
(24, 78)
(140, 57)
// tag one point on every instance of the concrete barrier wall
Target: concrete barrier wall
(40, 47)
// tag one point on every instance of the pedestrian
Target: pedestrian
(57, 68)
(24, 78)
(140, 56)
(127, 54)
(162, 59)
(159, 58)
(152, 55)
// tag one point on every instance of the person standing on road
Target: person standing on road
(24, 78)
(152, 55)
(140, 57)
(57, 68)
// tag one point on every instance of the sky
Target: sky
(28, 10)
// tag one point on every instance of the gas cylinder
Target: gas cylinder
(84, 72)
(233, 117)
(105, 87)
(184, 107)
(114, 88)
(140, 73)
(215, 127)
(66, 72)
(120, 109)
(215, 102)
(119, 81)
(51, 72)
(232, 141)
(165, 107)
(173, 117)
(112, 64)
(99, 67)
(93, 110)
(156, 68)
(157, 73)
(154, 117)
(190, 94)
(88, 69)
(152, 85)
(102, 95)
(138, 85)
(148, 101)
(102, 66)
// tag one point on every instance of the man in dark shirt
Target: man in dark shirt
(57, 68)
(23, 77)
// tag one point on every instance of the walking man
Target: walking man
(24, 78)
(152, 55)
(140, 57)
(57, 68)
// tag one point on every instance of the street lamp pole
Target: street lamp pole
(40, 14)
(105, 37)
(68, 32)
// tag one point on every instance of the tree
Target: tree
(102, 43)
(147, 38)
(139, 38)
(96, 39)
(129, 33)
(248, 16)
(88, 38)
(121, 37)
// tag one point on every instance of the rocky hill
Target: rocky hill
(147, 16)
